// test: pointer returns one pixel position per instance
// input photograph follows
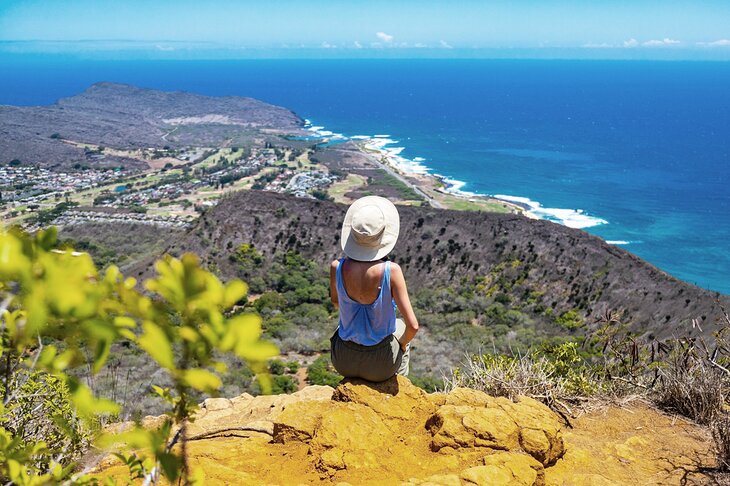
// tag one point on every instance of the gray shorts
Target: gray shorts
(373, 363)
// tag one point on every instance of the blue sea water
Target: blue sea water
(641, 147)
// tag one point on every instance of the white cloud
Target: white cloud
(631, 43)
(327, 45)
(445, 44)
(358, 45)
(603, 45)
(420, 45)
(164, 48)
(387, 38)
(660, 43)
(717, 43)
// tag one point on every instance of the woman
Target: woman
(370, 343)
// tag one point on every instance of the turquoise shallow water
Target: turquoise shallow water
(635, 152)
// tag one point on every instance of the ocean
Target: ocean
(636, 152)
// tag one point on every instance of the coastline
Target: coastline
(437, 190)
(427, 184)
(446, 192)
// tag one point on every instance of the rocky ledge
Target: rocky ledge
(395, 433)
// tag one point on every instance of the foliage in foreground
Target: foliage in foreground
(55, 306)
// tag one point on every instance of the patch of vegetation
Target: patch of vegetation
(46, 216)
(569, 320)
(276, 367)
(60, 313)
(321, 194)
(102, 255)
(383, 179)
(321, 372)
(281, 384)
(294, 301)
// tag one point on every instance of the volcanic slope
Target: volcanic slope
(536, 265)
(126, 117)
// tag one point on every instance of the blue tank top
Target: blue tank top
(366, 324)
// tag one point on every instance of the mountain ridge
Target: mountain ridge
(570, 267)
(123, 116)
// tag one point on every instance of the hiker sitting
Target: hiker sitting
(370, 343)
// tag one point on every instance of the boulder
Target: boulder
(460, 426)
(540, 428)
(395, 398)
(524, 468)
(506, 469)
(245, 414)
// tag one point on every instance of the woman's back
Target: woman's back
(370, 343)
(362, 279)
(367, 309)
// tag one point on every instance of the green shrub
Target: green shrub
(276, 367)
(58, 312)
(42, 411)
(569, 320)
(551, 374)
(428, 383)
(292, 366)
(281, 384)
(270, 301)
(321, 372)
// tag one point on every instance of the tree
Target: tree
(55, 305)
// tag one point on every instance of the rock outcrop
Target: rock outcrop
(395, 433)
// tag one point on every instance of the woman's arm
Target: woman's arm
(333, 283)
(400, 294)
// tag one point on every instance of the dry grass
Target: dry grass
(569, 389)
(502, 376)
(690, 387)
(720, 429)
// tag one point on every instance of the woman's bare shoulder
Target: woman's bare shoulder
(396, 270)
(334, 264)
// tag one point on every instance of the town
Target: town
(172, 192)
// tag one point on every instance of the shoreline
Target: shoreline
(415, 175)
(412, 173)
(382, 150)
(428, 181)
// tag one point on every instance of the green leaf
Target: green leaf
(125, 322)
(14, 470)
(101, 354)
(86, 404)
(259, 351)
(164, 393)
(233, 292)
(170, 464)
(157, 345)
(189, 334)
(202, 380)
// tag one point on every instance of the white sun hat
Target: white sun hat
(370, 229)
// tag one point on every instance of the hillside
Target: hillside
(126, 117)
(394, 433)
(534, 263)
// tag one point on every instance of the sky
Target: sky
(628, 27)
